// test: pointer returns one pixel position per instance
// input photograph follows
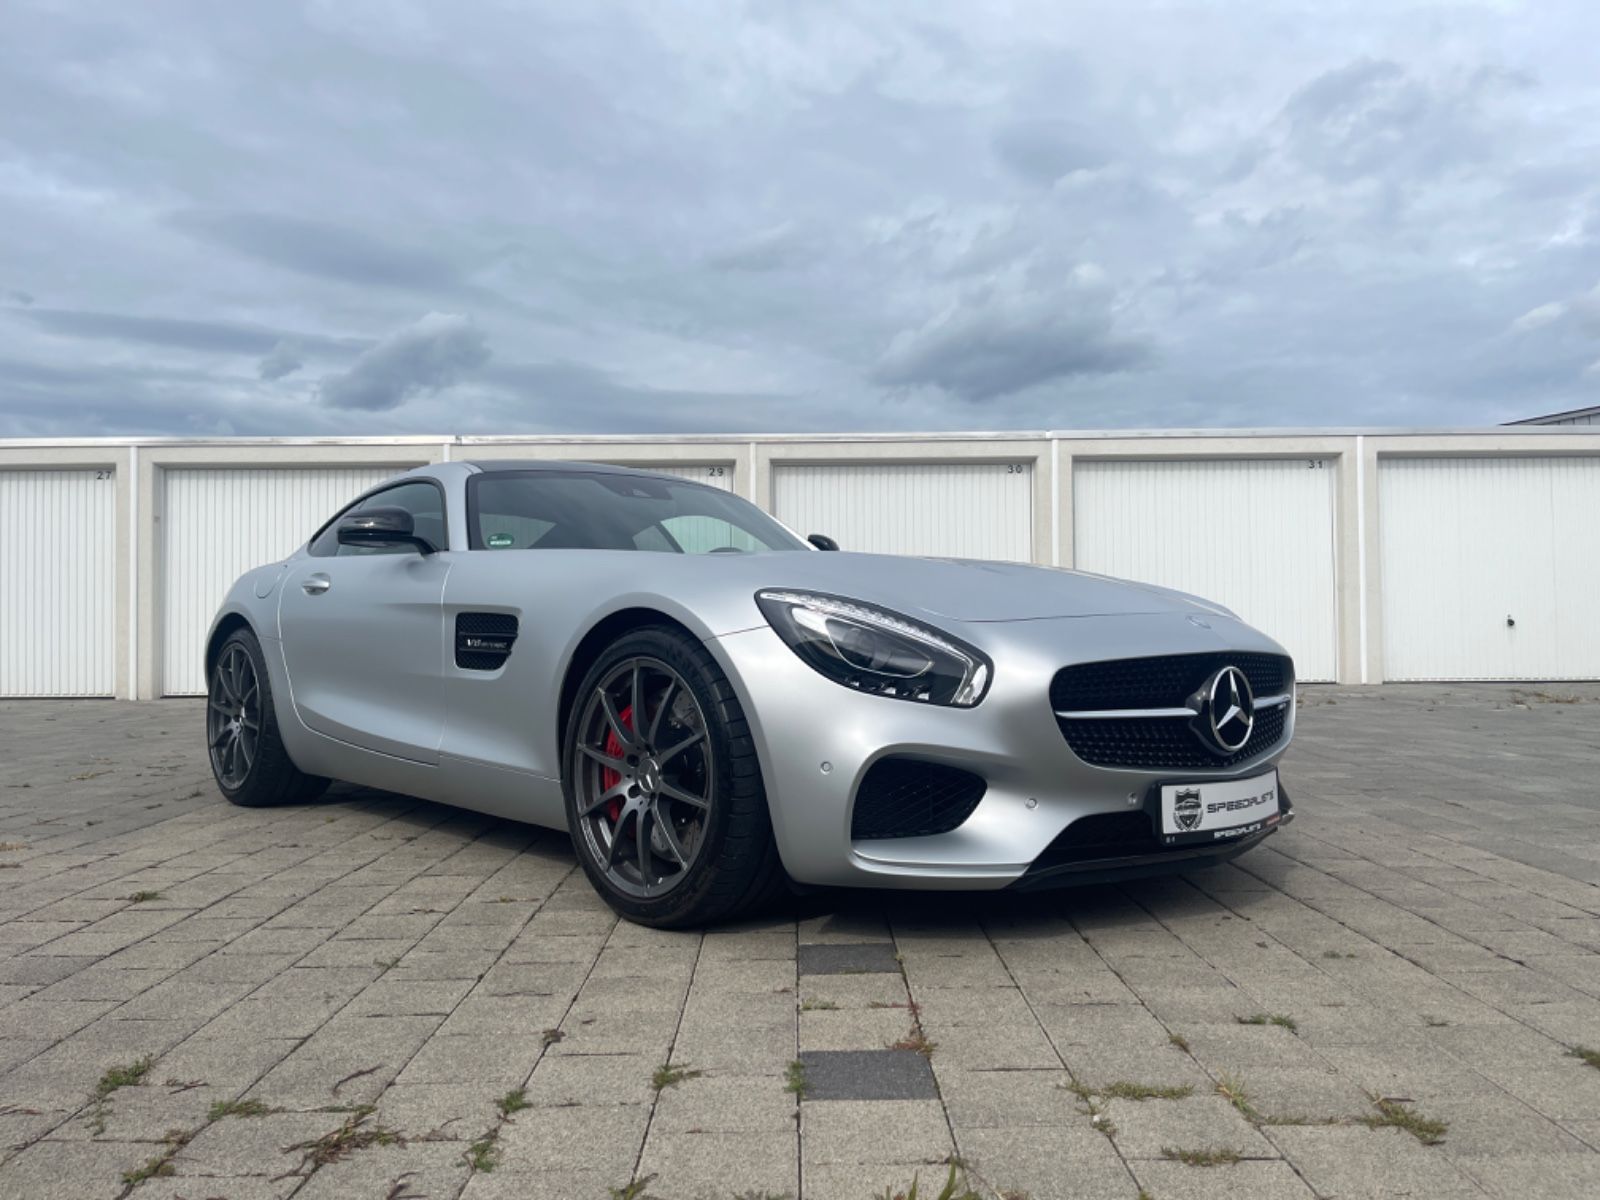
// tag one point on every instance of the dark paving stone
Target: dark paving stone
(868, 1075)
(856, 958)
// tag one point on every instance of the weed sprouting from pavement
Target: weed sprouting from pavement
(512, 1102)
(121, 1077)
(634, 1190)
(1278, 1019)
(666, 1076)
(954, 1189)
(355, 1134)
(1392, 1114)
(1233, 1091)
(1123, 1090)
(1178, 1040)
(1207, 1157)
(1591, 1057)
(794, 1079)
(237, 1108)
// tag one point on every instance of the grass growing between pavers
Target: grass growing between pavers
(955, 1188)
(113, 1081)
(160, 1164)
(355, 1134)
(1233, 1091)
(1207, 1157)
(1392, 1114)
(1278, 1019)
(794, 1079)
(636, 1190)
(483, 1155)
(144, 897)
(667, 1076)
(237, 1108)
(513, 1101)
(1586, 1055)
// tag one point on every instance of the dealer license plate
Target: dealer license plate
(1219, 810)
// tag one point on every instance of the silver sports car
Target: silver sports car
(713, 708)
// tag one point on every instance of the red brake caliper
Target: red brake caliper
(609, 778)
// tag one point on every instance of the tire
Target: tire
(733, 866)
(249, 761)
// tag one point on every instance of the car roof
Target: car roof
(493, 466)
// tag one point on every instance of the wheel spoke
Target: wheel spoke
(642, 837)
(669, 836)
(661, 711)
(676, 793)
(616, 840)
(671, 753)
(636, 700)
(250, 723)
(247, 747)
(605, 760)
(615, 792)
(218, 706)
(614, 719)
(222, 735)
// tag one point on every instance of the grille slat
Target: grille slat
(899, 797)
(1166, 681)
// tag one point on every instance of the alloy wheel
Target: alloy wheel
(233, 716)
(644, 777)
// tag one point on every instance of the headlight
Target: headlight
(877, 651)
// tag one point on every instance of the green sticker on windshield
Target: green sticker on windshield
(499, 541)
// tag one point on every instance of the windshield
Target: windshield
(593, 510)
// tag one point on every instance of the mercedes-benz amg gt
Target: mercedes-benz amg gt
(714, 707)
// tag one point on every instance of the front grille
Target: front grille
(1165, 681)
(900, 797)
(1162, 743)
(1100, 835)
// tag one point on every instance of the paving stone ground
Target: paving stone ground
(377, 997)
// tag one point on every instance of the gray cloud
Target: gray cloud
(1043, 151)
(1001, 339)
(435, 352)
(795, 217)
(284, 360)
(323, 250)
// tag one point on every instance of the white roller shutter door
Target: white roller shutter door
(1256, 535)
(1491, 567)
(957, 510)
(58, 588)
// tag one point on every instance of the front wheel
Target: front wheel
(663, 790)
(248, 757)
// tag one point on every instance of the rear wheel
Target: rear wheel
(248, 757)
(664, 796)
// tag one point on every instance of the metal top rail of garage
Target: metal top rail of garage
(1373, 555)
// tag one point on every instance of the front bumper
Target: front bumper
(816, 740)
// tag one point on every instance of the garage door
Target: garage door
(217, 524)
(1491, 567)
(959, 510)
(58, 598)
(1257, 536)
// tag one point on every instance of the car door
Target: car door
(363, 632)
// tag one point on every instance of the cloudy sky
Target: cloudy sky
(374, 216)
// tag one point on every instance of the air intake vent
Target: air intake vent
(900, 797)
(484, 640)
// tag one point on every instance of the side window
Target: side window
(425, 503)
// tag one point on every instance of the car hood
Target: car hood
(971, 590)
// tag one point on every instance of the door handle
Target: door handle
(316, 584)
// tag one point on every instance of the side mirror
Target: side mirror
(822, 541)
(382, 527)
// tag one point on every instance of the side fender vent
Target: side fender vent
(484, 640)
